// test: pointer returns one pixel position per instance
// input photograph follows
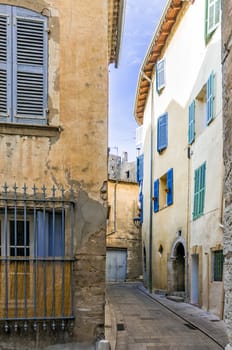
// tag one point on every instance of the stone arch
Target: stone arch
(177, 265)
(178, 241)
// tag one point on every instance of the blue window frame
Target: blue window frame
(191, 123)
(156, 195)
(163, 191)
(140, 161)
(210, 98)
(23, 65)
(160, 75)
(162, 132)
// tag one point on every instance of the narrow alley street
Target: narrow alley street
(140, 321)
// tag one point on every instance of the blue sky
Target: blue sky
(141, 19)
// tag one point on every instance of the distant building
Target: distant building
(123, 238)
(120, 169)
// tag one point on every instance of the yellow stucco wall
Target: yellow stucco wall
(72, 150)
(121, 229)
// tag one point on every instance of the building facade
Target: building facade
(54, 97)
(123, 238)
(227, 153)
(179, 104)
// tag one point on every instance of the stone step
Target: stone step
(175, 298)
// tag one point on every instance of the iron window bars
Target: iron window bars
(36, 260)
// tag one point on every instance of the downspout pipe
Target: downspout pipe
(151, 180)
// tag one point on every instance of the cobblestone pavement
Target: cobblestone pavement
(141, 321)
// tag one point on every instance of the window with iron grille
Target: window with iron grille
(218, 260)
(23, 65)
(36, 245)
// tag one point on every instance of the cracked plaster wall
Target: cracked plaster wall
(76, 154)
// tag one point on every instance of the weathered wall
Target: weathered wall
(71, 153)
(122, 233)
(227, 151)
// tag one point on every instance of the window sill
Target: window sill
(29, 130)
(197, 216)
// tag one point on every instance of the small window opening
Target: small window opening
(161, 249)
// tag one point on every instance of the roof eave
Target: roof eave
(146, 75)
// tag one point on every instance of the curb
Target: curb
(184, 317)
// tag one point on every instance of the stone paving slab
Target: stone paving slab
(149, 325)
(205, 321)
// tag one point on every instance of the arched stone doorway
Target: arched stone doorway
(177, 266)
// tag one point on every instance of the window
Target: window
(15, 237)
(140, 168)
(36, 249)
(23, 66)
(210, 98)
(191, 123)
(163, 191)
(162, 132)
(218, 260)
(50, 240)
(19, 238)
(212, 16)
(160, 75)
(199, 191)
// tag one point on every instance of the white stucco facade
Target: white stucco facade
(174, 235)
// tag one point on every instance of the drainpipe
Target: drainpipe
(151, 179)
(187, 294)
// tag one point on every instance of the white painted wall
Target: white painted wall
(189, 63)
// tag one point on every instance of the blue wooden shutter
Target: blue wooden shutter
(5, 62)
(170, 186)
(156, 195)
(210, 98)
(141, 207)
(140, 161)
(30, 66)
(191, 123)
(162, 136)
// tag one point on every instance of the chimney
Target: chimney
(124, 157)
